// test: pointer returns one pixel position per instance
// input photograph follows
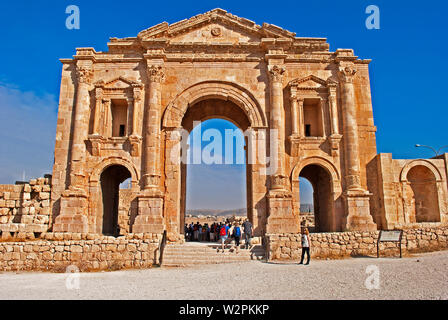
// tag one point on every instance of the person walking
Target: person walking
(223, 235)
(305, 245)
(248, 233)
(237, 236)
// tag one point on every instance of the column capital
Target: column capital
(84, 75)
(332, 87)
(293, 97)
(99, 93)
(137, 93)
(347, 74)
(276, 73)
(156, 73)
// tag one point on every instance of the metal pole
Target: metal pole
(421, 145)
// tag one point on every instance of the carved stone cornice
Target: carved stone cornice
(347, 74)
(156, 73)
(276, 73)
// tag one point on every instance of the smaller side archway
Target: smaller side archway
(98, 188)
(111, 178)
(324, 178)
(421, 195)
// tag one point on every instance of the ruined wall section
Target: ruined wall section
(352, 244)
(391, 198)
(25, 209)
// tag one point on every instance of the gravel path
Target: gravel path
(420, 277)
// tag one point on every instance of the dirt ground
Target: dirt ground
(422, 276)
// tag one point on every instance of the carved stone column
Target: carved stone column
(294, 113)
(150, 202)
(335, 137)
(135, 139)
(136, 110)
(80, 129)
(281, 217)
(350, 131)
(151, 131)
(74, 201)
(278, 178)
(301, 118)
(107, 104)
(174, 209)
(356, 198)
(333, 108)
(98, 107)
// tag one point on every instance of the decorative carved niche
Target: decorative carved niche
(314, 115)
(118, 104)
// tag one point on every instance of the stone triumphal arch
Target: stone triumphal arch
(122, 112)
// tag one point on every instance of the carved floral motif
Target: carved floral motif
(84, 75)
(156, 73)
(276, 73)
(347, 74)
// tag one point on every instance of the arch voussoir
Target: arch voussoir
(176, 110)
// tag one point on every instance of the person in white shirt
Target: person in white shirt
(305, 245)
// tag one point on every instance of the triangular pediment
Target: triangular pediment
(117, 83)
(214, 26)
(310, 81)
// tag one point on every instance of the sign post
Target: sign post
(389, 236)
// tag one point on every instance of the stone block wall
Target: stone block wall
(25, 208)
(56, 251)
(345, 244)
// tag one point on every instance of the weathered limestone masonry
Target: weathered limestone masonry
(308, 110)
(305, 109)
(356, 243)
(25, 209)
(55, 252)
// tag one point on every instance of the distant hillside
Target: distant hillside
(305, 207)
(219, 213)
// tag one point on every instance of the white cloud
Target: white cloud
(27, 133)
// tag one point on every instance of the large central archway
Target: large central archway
(201, 112)
(201, 102)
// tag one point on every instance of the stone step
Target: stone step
(193, 258)
(199, 262)
(208, 247)
(178, 255)
(214, 254)
(211, 251)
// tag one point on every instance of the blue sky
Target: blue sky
(407, 72)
